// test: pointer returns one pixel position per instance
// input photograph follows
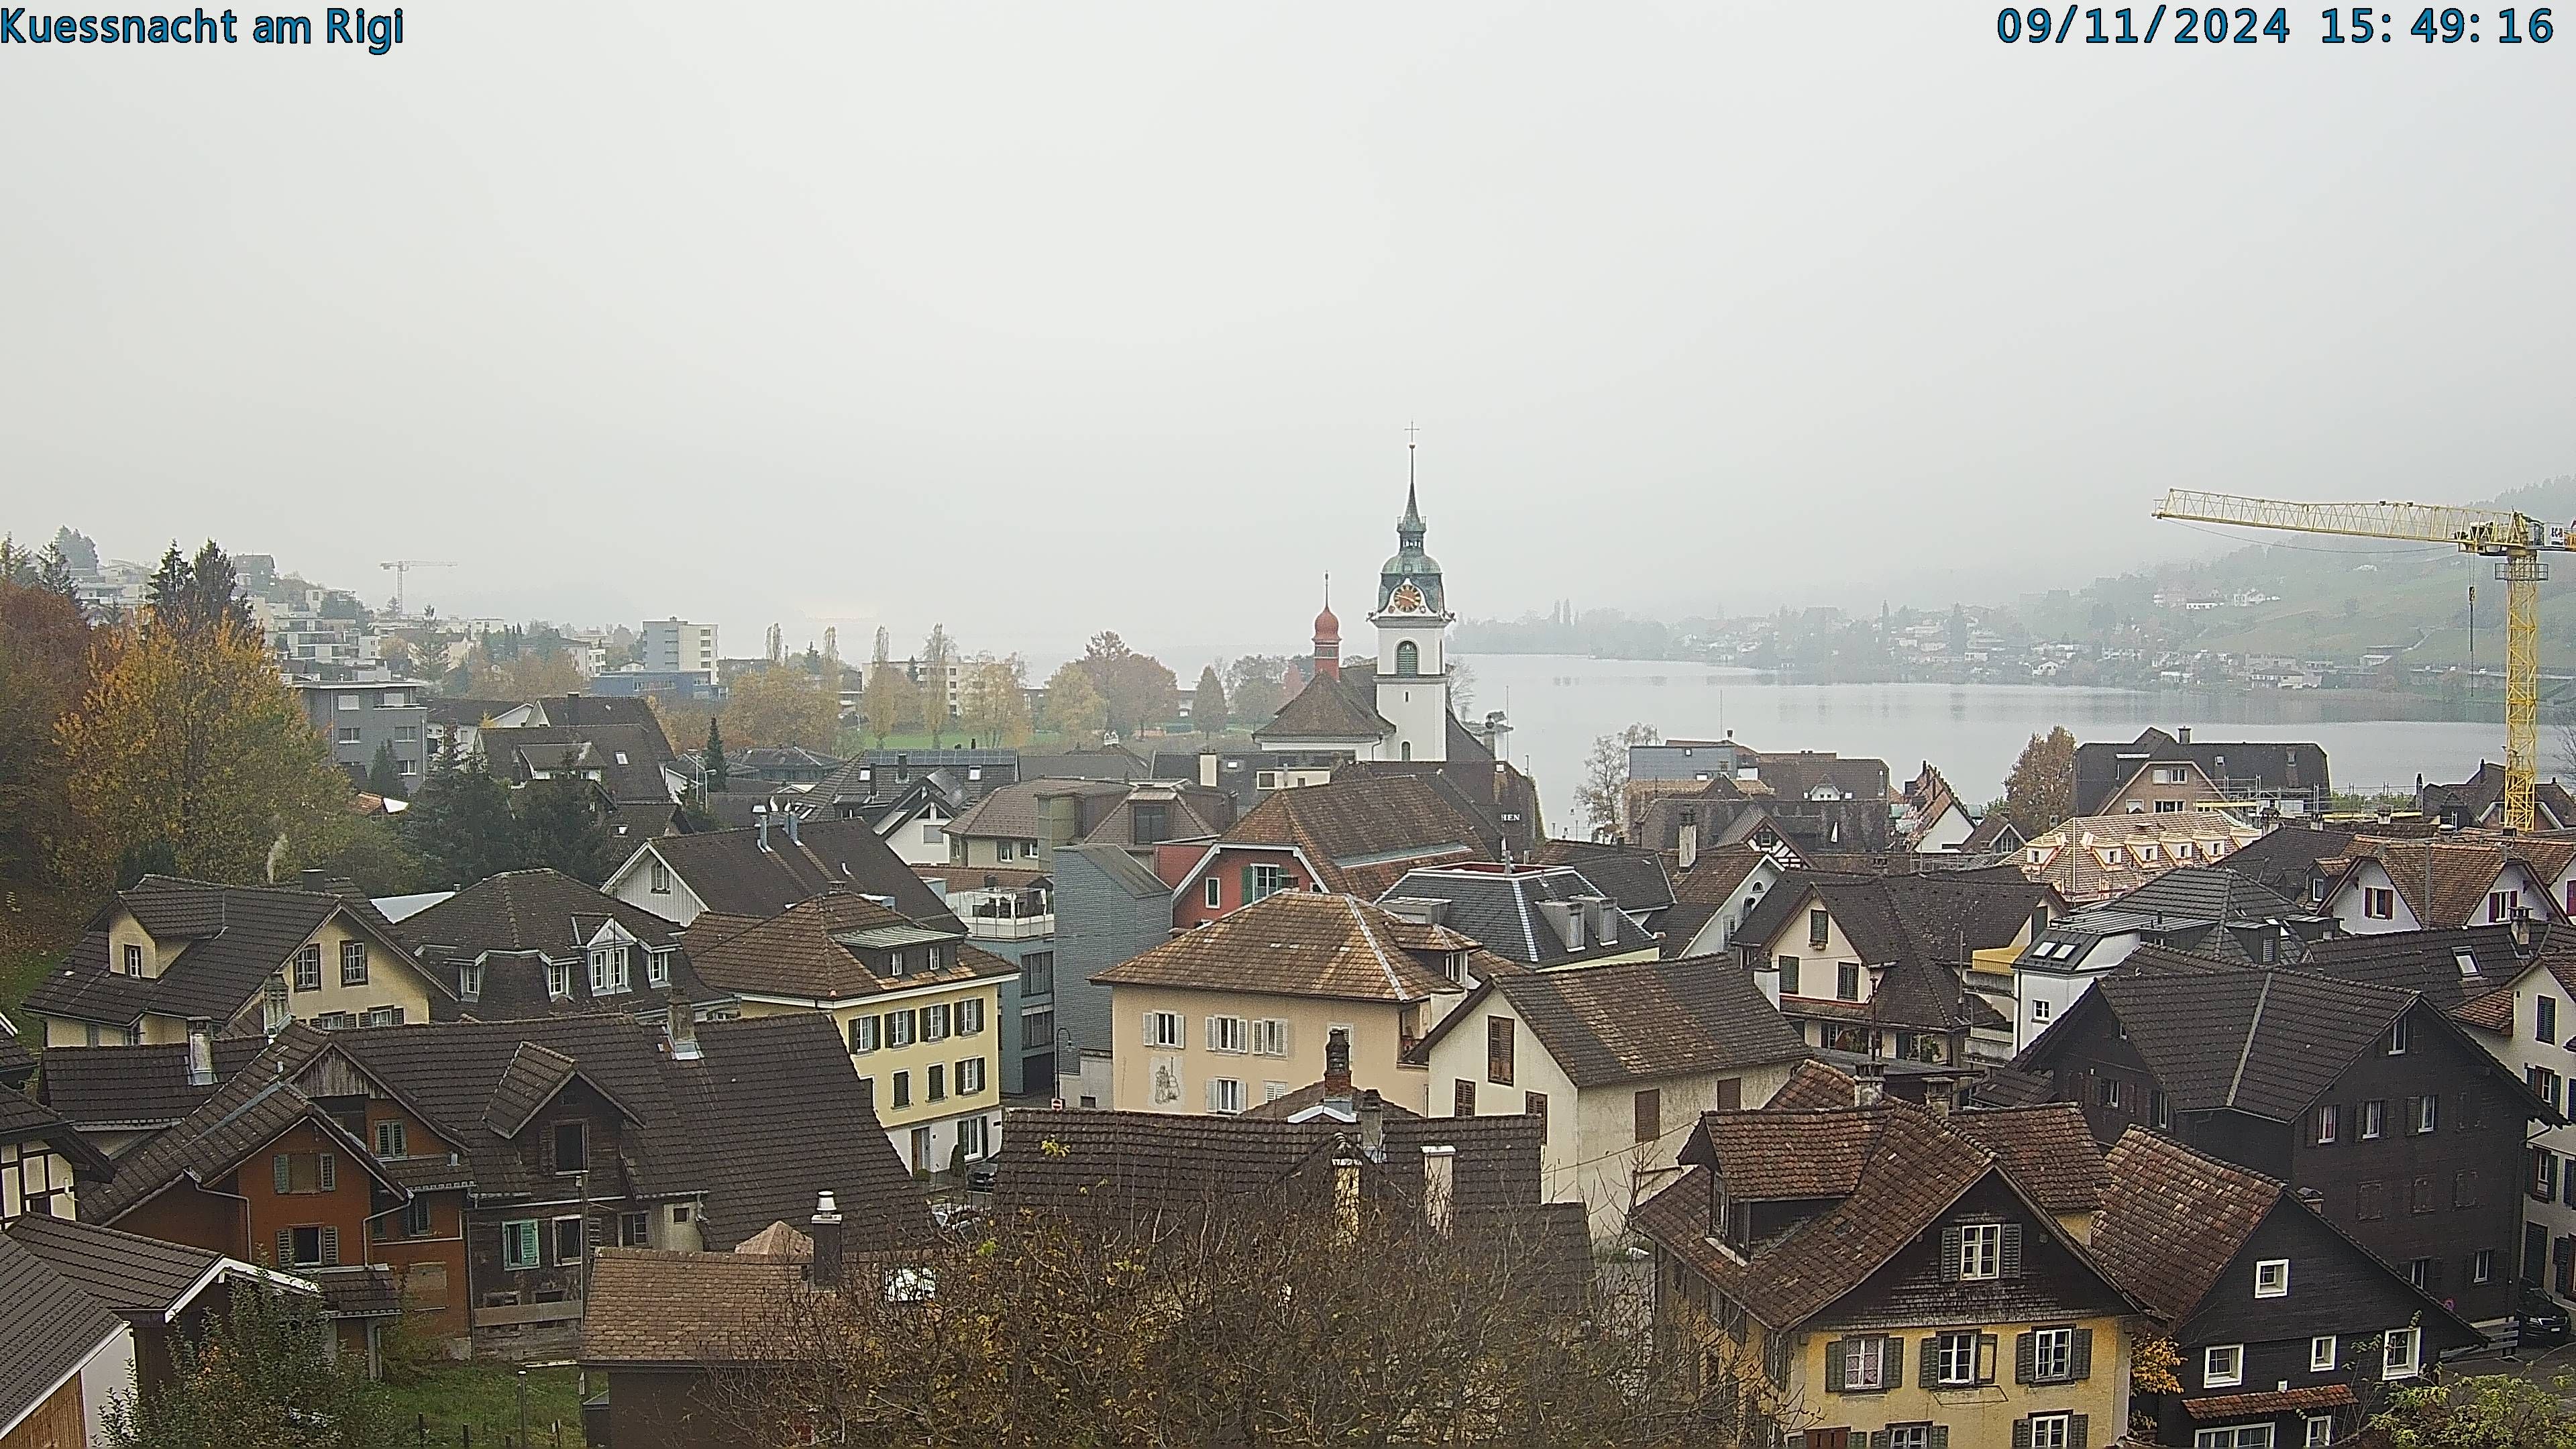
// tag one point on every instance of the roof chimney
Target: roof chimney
(825, 1229)
(788, 822)
(1690, 838)
(1337, 1068)
(2182, 736)
(1869, 1084)
(760, 824)
(201, 1053)
(1372, 1115)
(684, 1028)
(1439, 1187)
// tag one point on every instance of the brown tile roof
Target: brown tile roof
(1814, 1086)
(1889, 1171)
(1296, 943)
(2173, 1219)
(651, 1306)
(2075, 850)
(2046, 1149)
(128, 1272)
(1628, 1021)
(2279, 1401)
(529, 910)
(139, 1086)
(810, 950)
(1313, 1094)
(2461, 873)
(1012, 811)
(1703, 890)
(1362, 834)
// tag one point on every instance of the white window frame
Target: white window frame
(657, 967)
(1981, 1252)
(1225, 1096)
(558, 979)
(2391, 1366)
(863, 1034)
(1909, 1436)
(2052, 1431)
(1163, 1029)
(2400, 1035)
(1955, 1359)
(1232, 1034)
(2374, 1120)
(970, 1076)
(1267, 881)
(934, 1021)
(1864, 1363)
(608, 971)
(353, 953)
(2317, 1431)
(2233, 1377)
(513, 1232)
(308, 966)
(2234, 1436)
(1215, 896)
(2323, 1350)
(2052, 1355)
(2277, 1270)
(659, 883)
(970, 1016)
(2428, 1113)
(1270, 1037)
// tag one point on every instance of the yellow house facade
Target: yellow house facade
(1237, 1012)
(240, 960)
(918, 1009)
(1880, 1276)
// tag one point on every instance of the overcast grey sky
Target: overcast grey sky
(1037, 319)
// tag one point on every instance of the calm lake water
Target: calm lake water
(1559, 704)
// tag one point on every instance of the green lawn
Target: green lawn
(37, 926)
(485, 1397)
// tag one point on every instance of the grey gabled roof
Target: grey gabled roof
(733, 874)
(1121, 869)
(2207, 893)
(129, 1273)
(48, 1328)
(1497, 906)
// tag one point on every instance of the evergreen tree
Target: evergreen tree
(559, 826)
(461, 827)
(54, 575)
(78, 552)
(167, 592)
(717, 779)
(215, 588)
(142, 858)
(1207, 704)
(384, 774)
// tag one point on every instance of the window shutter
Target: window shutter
(546, 1150)
(330, 1246)
(2414, 1112)
(281, 1170)
(1878, 1439)
(1148, 1037)
(285, 1248)
(1211, 1094)
(1892, 1354)
(1929, 1371)
(1951, 1238)
(2021, 1434)
(1986, 1346)
(2025, 1357)
(1245, 898)
(596, 1230)
(2012, 1250)
(2083, 1357)
(327, 1172)
(1940, 1436)
(1211, 1038)
(2079, 1429)
(1837, 1352)
(1287, 1043)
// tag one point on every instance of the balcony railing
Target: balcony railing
(1010, 928)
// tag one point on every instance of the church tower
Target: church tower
(1412, 619)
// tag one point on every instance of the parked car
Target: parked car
(981, 1176)
(2540, 1321)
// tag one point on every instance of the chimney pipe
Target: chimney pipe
(2182, 736)
(201, 1053)
(1869, 1084)
(825, 1229)
(1337, 1065)
(788, 823)
(1439, 1187)
(1372, 1115)
(1690, 841)
(684, 1028)
(760, 823)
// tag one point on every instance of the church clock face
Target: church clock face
(1406, 600)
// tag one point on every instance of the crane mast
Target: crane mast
(2514, 540)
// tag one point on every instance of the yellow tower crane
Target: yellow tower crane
(2515, 541)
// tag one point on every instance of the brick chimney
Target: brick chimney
(825, 1229)
(201, 1053)
(1337, 1069)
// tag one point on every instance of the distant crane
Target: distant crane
(2515, 541)
(402, 568)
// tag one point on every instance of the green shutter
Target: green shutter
(1877, 1439)
(2021, 1434)
(1951, 1239)
(2025, 1357)
(2079, 1430)
(1931, 1366)
(1940, 1436)
(2011, 1263)
(2083, 1354)
(285, 1248)
(1245, 898)
(281, 1169)
(1893, 1355)
(1834, 1366)
(327, 1171)
(330, 1246)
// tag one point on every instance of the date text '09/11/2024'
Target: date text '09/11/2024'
(2218, 25)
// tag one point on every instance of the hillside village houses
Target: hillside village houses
(1913, 1127)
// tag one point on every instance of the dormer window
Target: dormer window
(657, 966)
(469, 982)
(133, 959)
(608, 971)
